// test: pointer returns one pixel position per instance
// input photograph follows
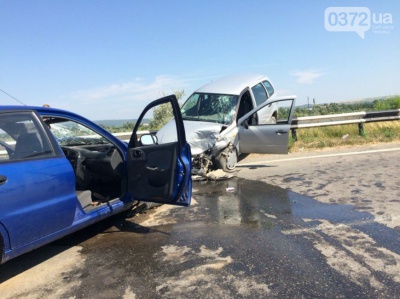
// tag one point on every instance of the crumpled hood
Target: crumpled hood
(200, 135)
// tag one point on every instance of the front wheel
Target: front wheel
(272, 120)
(227, 160)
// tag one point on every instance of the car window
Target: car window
(22, 137)
(282, 115)
(6, 143)
(283, 107)
(210, 107)
(260, 95)
(269, 88)
(70, 133)
(153, 121)
(190, 107)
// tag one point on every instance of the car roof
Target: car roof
(20, 108)
(41, 111)
(233, 84)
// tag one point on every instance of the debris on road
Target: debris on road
(215, 175)
(230, 189)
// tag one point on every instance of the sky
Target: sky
(109, 59)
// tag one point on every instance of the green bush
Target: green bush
(339, 108)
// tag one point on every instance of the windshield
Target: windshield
(211, 107)
(70, 133)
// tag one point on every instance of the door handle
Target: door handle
(152, 168)
(279, 132)
(3, 179)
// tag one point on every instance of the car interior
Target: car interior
(97, 163)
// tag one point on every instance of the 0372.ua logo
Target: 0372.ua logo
(357, 19)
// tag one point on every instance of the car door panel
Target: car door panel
(264, 139)
(267, 138)
(151, 177)
(160, 172)
(36, 199)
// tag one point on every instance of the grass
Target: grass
(346, 135)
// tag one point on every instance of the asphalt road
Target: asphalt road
(315, 225)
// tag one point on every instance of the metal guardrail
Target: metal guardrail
(343, 119)
(320, 121)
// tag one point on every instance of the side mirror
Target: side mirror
(148, 139)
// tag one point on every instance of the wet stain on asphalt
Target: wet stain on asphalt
(379, 185)
(242, 239)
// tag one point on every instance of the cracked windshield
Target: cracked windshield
(219, 108)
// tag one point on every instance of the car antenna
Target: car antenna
(12, 97)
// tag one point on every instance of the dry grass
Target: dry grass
(346, 135)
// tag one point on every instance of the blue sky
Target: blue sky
(108, 59)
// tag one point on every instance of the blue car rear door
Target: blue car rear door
(36, 181)
(160, 172)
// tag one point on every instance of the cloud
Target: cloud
(307, 76)
(121, 100)
(137, 90)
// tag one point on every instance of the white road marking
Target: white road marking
(320, 156)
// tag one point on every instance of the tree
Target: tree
(163, 113)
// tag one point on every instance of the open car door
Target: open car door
(160, 172)
(267, 138)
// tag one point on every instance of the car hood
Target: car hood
(200, 135)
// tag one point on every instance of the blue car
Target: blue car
(60, 172)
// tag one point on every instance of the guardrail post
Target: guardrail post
(361, 129)
(294, 134)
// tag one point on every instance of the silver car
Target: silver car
(231, 116)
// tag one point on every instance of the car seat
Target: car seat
(27, 145)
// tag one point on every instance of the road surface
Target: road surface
(315, 225)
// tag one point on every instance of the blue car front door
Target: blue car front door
(160, 172)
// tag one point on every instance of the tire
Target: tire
(227, 160)
(2, 249)
(272, 120)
